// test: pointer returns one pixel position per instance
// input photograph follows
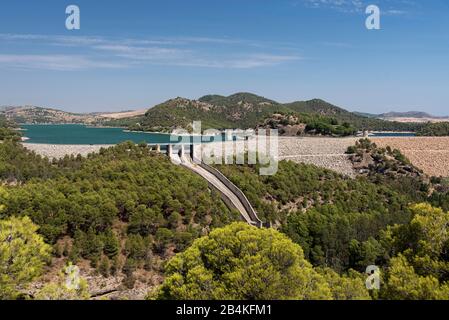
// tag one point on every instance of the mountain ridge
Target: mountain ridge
(240, 110)
(407, 114)
(246, 110)
(45, 115)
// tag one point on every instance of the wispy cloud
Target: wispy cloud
(335, 44)
(102, 52)
(390, 7)
(53, 62)
(343, 5)
(245, 62)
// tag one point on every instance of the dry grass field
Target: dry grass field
(431, 154)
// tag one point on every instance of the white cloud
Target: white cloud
(239, 62)
(53, 62)
(101, 52)
(391, 7)
(342, 5)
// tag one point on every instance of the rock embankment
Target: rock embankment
(329, 153)
(58, 151)
(324, 152)
(430, 154)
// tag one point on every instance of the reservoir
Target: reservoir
(85, 135)
(77, 134)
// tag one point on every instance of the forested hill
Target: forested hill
(120, 213)
(246, 110)
(358, 120)
(236, 111)
(42, 115)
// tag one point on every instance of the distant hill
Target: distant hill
(366, 114)
(412, 116)
(41, 115)
(247, 110)
(241, 110)
(358, 120)
(408, 114)
(33, 114)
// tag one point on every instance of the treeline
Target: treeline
(7, 130)
(18, 165)
(434, 129)
(313, 124)
(321, 210)
(414, 265)
(241, 262)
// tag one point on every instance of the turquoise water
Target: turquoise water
(80, 134)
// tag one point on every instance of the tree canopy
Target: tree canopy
(242, 262)
(23, 255)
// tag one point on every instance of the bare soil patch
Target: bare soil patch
(431, 154)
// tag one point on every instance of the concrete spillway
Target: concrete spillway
(232, 196)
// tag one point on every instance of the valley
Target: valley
(122, 212)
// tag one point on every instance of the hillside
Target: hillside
(119, 214)
(130, 220)
(336, 220)
(32, 114)
(408, 114)
(40, 115)
(358, 120)
(240, 110)
(246, 110)
(236, 111)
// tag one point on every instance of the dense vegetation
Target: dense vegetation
(127, 211)
(339, 211)
(239, 262)
(434, 129)
(245, 110)
(23, 255)
(294, 124)
(123, 209)
(7, 131)
(418, 267)
(241, 111)
(242, 262)
(337, 220)
(390, 167)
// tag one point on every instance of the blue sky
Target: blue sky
(137, 53)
